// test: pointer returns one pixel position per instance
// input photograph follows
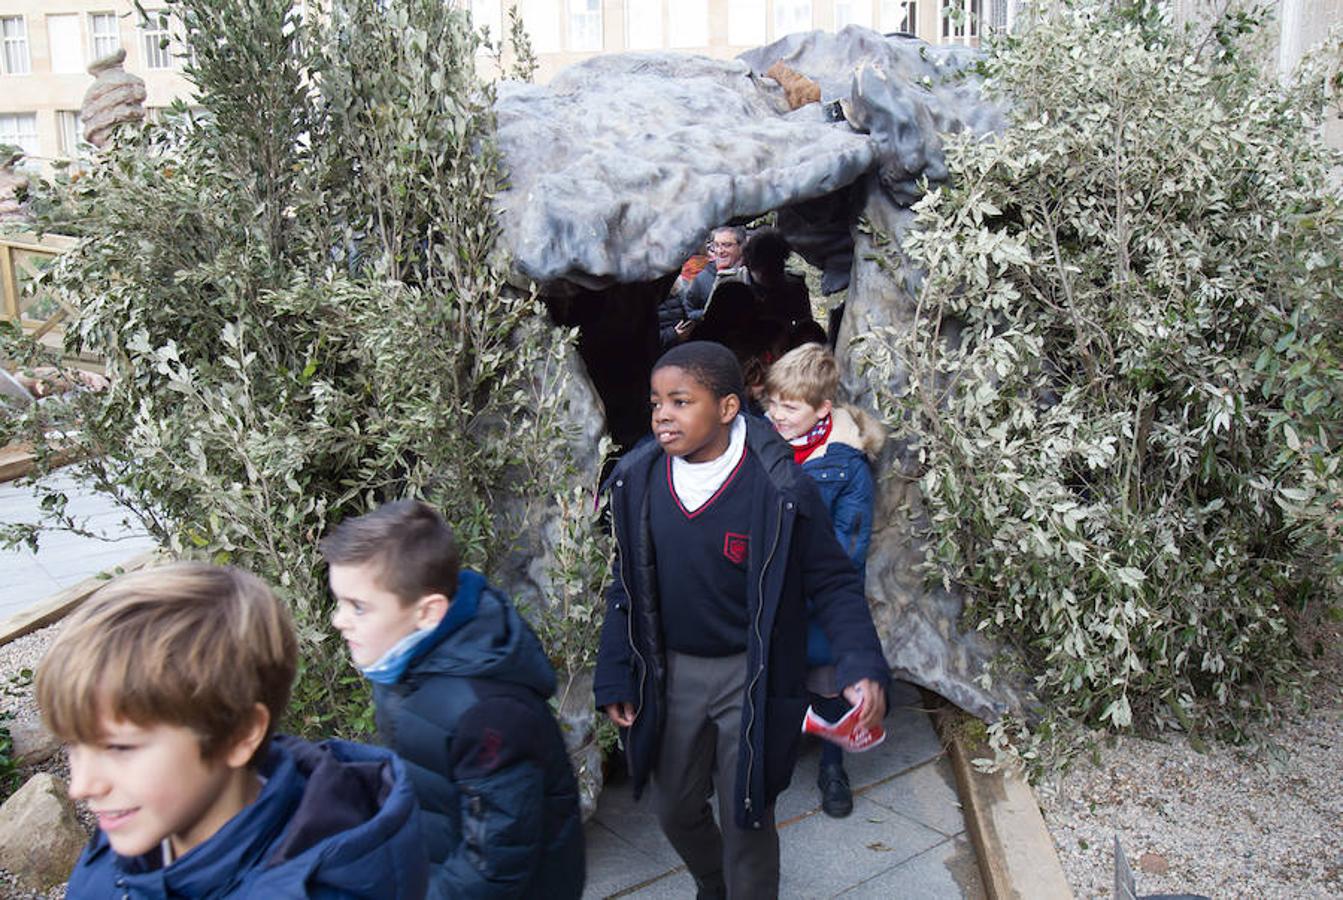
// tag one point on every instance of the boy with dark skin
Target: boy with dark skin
(702, 663)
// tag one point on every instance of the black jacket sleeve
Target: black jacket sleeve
(613, 680)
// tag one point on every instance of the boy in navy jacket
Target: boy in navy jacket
(167, 684)
(702, 662)
(832, 444)
(460, 683)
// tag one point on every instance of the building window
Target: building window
(746, 23)
(960, 18)
(689, 24)
(14, 31)
(106, 33)
(643, 24)
(542, 18)
(585, 24)
(853, 12)
(791, 16)
(899, 15)
(65, 45)
(156, 39)
(69, 132)
(489, 16)
(20, 129)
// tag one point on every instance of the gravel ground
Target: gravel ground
(1226, 823)
(16, 696)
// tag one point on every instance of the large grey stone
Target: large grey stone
(40, 838)
(32, 743)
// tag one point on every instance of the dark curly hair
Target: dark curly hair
(711, 364)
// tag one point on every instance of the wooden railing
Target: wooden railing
(41, 314)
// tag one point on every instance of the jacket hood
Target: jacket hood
(855, 428)
(331, 817)
(484, 636)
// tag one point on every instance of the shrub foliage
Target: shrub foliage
(1123, 382)
(301, 300)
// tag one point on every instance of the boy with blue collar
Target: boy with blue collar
(166, 686)
(460, 684)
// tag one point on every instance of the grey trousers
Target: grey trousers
(698, 758)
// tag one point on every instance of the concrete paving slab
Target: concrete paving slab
(926, 794)
(614, 864)
(946, 871)
(635, 823)
(25, 582)
(821, 856)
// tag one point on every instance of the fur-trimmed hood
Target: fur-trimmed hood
(855, 428)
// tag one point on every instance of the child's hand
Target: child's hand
(870, 698)
(620, 713)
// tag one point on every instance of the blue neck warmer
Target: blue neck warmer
(411, 648)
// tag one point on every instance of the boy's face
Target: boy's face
(688, 420)
(147, 783)
(794, 418)
(370, 617)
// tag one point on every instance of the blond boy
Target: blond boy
(167, 685)
(833, 445)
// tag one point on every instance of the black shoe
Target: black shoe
(836, 798)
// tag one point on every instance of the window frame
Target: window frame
(777, 29)
(676, 41)
(79, 48)
(571, 13)
(18, 40)
(162, 30)
(65, 148)
(94, 36)
(32, 150)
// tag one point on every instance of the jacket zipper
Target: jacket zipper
(760, 642)
(629, 623)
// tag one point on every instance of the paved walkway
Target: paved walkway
(906, 837)
(63, 559)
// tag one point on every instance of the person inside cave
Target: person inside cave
(782, 294)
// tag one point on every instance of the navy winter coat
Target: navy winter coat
(842, 474)
(485, 755)
(793, 555)
(334, 821)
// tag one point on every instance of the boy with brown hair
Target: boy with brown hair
(167, 685)
(833, 444)
(460, 684)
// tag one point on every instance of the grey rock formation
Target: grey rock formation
(31, 742)
(40, 838)
(115, 98)
(619, 167)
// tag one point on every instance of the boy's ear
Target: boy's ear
(825, 409)
(249, 738)
(728, 407)
(430, 610)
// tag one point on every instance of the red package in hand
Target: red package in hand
(846, 732)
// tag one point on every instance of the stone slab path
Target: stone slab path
(906, 837)
(63, 559)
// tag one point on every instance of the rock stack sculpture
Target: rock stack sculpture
(115, 98)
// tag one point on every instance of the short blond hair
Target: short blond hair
(808, 373)
(188, 644)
